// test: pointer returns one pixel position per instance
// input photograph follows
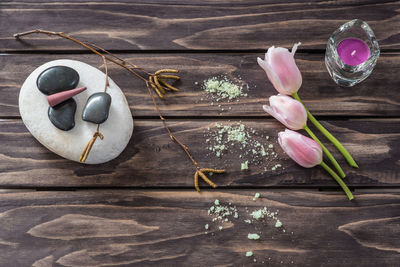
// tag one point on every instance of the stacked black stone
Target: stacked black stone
(55, 80)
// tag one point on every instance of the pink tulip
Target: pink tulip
(281, 69)
(288, 111)
(305, 151)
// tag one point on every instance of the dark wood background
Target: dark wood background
(141, 209)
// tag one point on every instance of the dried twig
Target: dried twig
(158, 84)
(154, 81)
(88, 147)
(168, 86)
(169, 76)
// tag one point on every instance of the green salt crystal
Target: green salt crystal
(278, 224)
(245, 165)
(257, 214)
(253, 236)
(256, 196)
(249, 253)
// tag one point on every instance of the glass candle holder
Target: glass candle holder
(351, 53)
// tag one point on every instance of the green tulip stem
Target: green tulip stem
(331, 138)
(338, 180)
(326, 152)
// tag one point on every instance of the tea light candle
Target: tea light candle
(348, 51)
(353, 51)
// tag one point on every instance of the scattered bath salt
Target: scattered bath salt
(222, 212)
(223, 88)
(263, 152)
(245, 165)
(261, 213)
(253, 236)
(256, 196)
(276, 166)
(248, 144)
(257, 214)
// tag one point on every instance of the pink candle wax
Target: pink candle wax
(353, 51)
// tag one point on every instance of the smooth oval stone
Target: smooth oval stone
(63, 115)
(97, 108)
(57, 79)
(33, 107)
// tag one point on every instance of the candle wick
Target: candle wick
(353, 53)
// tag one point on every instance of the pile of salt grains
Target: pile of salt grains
(221, 89)
(225, 213)
(254, 148)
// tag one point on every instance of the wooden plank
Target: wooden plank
(152, 160)
(188, 25)
(377, 96)
(165, 228)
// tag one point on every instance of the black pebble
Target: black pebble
(63, 115)
(97, 108)
(57, 79)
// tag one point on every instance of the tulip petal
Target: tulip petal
(294, 48)
(274, 79)
(274, 114)
(303, 150)
(263, 64)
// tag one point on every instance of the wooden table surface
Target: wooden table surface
(141, 209)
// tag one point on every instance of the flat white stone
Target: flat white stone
(117, 129)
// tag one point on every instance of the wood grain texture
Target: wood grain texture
(152, 160)
(162, 222)
(321, 228)
(376, 96)
(188, 25)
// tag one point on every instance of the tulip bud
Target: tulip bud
(305, 151)
(288, 111)
(281, 69)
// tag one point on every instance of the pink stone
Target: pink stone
(57, 98)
